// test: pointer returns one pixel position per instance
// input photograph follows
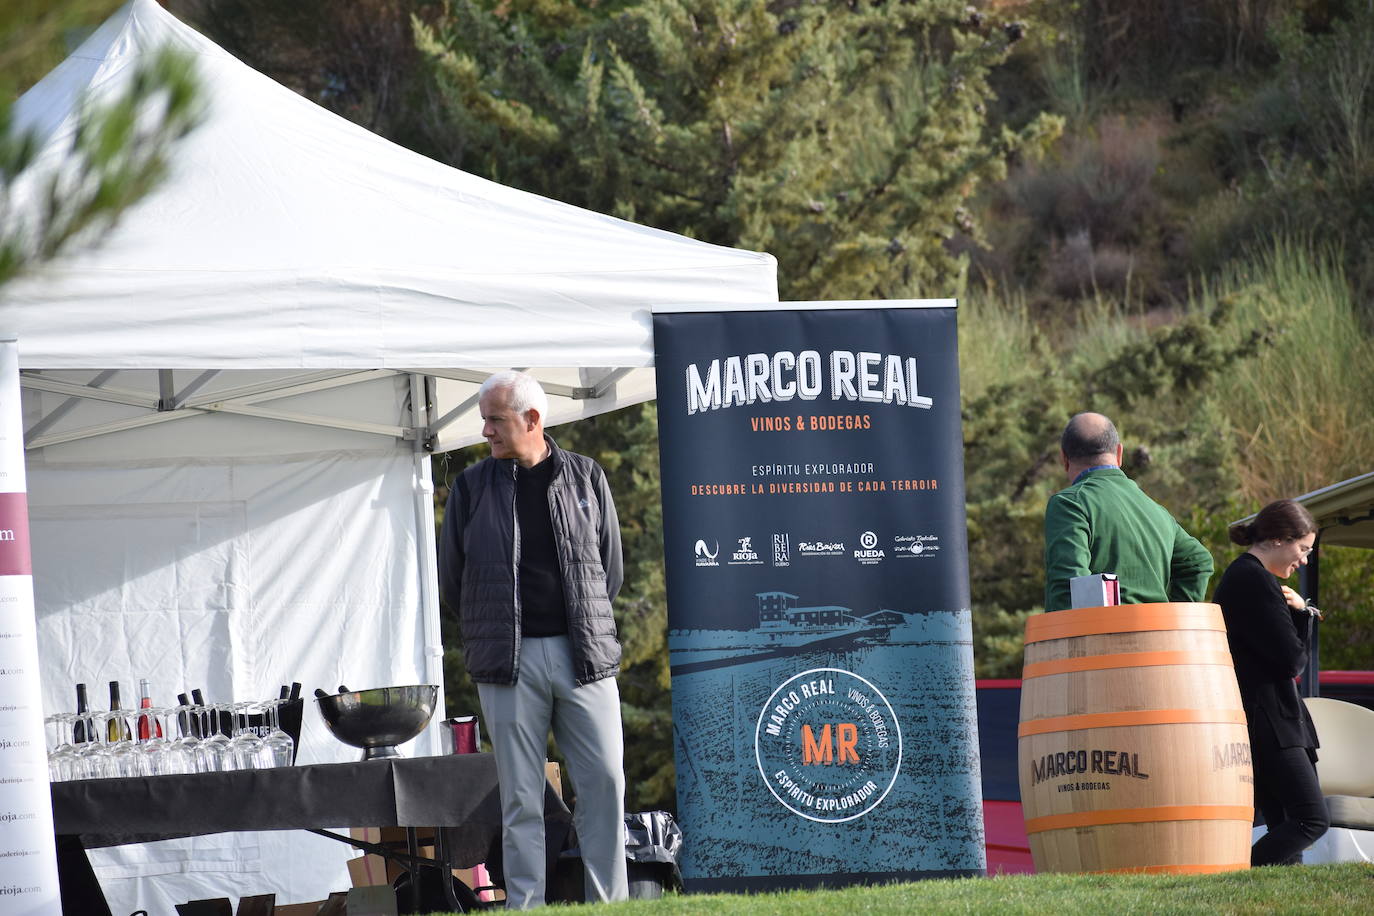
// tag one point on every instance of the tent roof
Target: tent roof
(1344, 512)
(286, 237)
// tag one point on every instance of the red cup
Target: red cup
(461, 735)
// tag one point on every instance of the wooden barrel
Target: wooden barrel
(1133, 750)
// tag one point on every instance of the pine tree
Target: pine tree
(844, 138)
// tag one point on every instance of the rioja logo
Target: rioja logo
(745, 555)
(828, 745)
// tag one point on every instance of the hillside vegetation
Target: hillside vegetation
(1159, 209)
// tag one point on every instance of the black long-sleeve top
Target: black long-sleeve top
(1269, 647)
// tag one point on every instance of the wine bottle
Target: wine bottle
(147, 725)
(211, 726)
(118, 727)
(184, 723)
(79, 734)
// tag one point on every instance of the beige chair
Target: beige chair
(1345, 769)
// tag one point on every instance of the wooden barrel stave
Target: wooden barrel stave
(1208, 846)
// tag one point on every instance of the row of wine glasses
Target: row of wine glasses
(176, 739)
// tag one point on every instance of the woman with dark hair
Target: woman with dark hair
(1267, 627)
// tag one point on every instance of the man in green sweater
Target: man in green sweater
(1103, 523)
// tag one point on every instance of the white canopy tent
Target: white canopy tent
(230, 404)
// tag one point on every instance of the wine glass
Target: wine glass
(94, 753)
(246, 747)
(61, 753)
(214, 744)
(156, 748)
(125, 757)
(280, 748)
(186, 742)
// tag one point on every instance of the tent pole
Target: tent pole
(428, 551)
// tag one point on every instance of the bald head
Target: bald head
(1089, 440)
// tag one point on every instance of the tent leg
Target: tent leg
(428, 559)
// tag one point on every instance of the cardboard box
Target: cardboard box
(299, 909)
(368, 871)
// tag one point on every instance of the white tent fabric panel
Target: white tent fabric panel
(235, 576)
(158, 876)
(286, 236)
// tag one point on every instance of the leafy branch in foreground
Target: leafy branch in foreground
(77, 182)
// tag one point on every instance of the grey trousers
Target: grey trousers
(586, 725)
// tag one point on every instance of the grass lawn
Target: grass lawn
(1347, 889)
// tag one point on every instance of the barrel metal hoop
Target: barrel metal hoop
(1124, 660)
(1128, 719)
(1126, 618)
(1140, 816)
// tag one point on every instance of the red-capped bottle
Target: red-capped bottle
(146, 723)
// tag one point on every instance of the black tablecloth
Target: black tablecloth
(457, 792)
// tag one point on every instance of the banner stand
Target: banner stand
(816, 564)
(28, 854)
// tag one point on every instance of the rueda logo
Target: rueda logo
(706, 556)
(869, 552)
(828, 745)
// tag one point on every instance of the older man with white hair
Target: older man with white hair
(530, 557)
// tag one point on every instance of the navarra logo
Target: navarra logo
(705, 555)
(828, 745)
(746, 554)
(868, 551)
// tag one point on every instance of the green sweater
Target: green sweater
(1103, 523)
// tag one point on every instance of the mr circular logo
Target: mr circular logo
(828, 745)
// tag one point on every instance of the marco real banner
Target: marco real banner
(818, 601)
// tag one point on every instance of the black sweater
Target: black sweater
(545, 612)
(1269, 646)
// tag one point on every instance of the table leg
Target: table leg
(76, 880)
(446, 868)
(413, 848)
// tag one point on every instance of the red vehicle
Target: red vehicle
(999, 712)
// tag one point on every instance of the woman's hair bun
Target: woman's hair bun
(1242, 533)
